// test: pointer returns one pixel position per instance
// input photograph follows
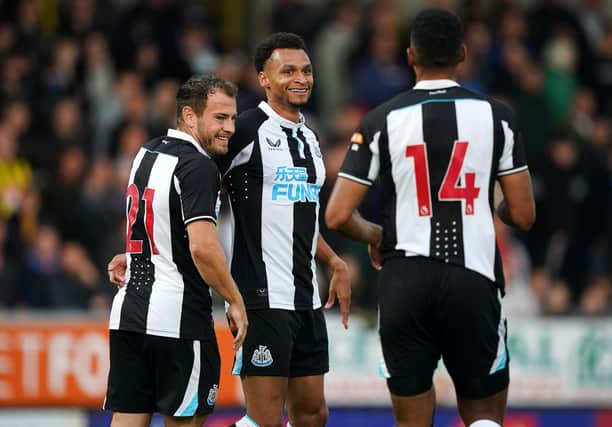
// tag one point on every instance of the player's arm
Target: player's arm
(342, 215)
(197, 181)
(360, 168)
(209, 259)
(340, 283)
(517, 209)
(116, 270)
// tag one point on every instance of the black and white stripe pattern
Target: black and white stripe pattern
(414, 143)
(273, 174)
(177, 183)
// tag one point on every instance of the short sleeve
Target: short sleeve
(241, 143)
(362, 160)
(512, 159)
(197, 182)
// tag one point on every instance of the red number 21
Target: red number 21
(450, 189)
(133, 198)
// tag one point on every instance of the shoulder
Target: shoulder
(378, 116)
(191, 158)
(501, 109)
(249, 121)
(310, 130)
(156, 143)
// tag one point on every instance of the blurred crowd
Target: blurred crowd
(84, 83)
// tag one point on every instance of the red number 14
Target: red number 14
(450, 189)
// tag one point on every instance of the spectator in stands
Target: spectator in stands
(41, 284)
(15, 174)
(9, 274)
(95, 74)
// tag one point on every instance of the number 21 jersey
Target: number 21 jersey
(173, 182)
(437, 150)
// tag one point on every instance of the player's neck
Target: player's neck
(192, 134)
(185, 129)
(435, 73)
(285, 111)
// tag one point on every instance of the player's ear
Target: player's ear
(411, 55)
(189, 116)
(462, 52)
(264, 82)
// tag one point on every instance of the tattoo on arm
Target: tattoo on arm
(504, 214)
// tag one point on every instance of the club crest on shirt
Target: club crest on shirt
(262, 357)
(212, 395)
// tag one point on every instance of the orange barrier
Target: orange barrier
(64, 362)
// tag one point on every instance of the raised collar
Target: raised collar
(179, 134)
(435, 84)
(265, 107)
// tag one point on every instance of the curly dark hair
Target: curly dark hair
(436, 36)
(264, 49)
(194, 92)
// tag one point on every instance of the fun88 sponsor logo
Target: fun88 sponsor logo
(290, 184)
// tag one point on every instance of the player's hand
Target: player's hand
(238, 323)
(340, 288)
(116, 270)
(376, 258)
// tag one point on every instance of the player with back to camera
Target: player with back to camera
(163, 350)
(438, 150)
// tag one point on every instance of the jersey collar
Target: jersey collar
(263, 105)
(435, 84)
(179, 134)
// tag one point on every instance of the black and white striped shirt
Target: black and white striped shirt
(438, 150)
(273, 173)
(173, 182)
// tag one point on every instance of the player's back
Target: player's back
(437, 150)
(164, 293)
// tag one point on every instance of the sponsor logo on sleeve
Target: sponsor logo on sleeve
(357, 138)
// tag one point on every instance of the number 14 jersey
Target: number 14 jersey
(437, 150)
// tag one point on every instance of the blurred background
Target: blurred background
(84, 83)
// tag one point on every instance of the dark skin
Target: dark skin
(288, 80)
(517, 210)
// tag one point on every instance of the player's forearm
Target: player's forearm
(357, 228)
(212, 266)
(325, 253)
(517, 221)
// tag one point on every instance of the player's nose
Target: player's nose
(229, 126)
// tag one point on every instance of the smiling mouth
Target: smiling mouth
(300, 91)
